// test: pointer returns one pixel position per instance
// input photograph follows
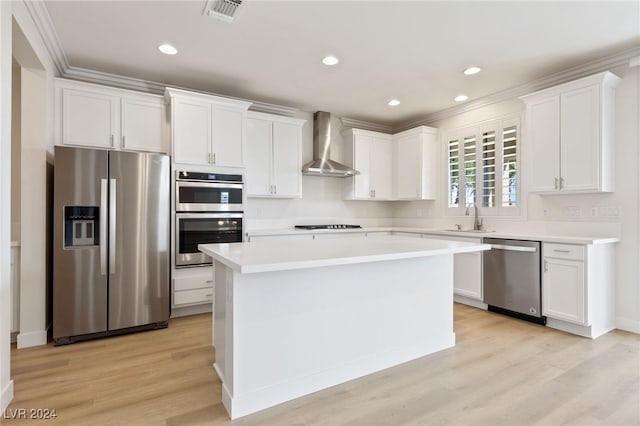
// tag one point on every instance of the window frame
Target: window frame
(497, 125)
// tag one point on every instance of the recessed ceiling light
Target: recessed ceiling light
(330, 60)
(394, 102)
(167, 49)
(472, 70)
(461, 98)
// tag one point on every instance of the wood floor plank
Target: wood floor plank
(502, 371)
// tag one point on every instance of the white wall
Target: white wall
(322, 197)
(33, 278)
(6, 384)
(15, 150)
(37, 73)
(549, 212)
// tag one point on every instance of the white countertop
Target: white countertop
(544, 237)
(281, 255)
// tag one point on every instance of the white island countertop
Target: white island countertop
(282, 255)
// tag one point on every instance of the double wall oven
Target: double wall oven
(209, 209)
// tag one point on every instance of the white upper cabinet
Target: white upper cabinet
(207, 130)
(89, 115)
(371, 154)
(416, 162)
(227, 136)
(143, 124)
(191, 130)
(570, 136)
(274, 156)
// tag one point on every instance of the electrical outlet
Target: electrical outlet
(594, 212)
(572, 211)
(609, 211)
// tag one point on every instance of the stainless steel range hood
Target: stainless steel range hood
(322, 165)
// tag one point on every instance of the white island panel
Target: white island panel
(283, 333)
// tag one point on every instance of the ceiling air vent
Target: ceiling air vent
(225, 10)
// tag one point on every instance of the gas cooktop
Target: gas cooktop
(333, 226)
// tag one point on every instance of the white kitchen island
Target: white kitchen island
(292, 317)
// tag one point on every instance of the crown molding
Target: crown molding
(366, 125)
(603, 64)
(274, 109)
(114, 80)
(40, 14)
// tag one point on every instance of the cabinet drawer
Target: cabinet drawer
(563, 251)
(192, 282)
(190, 297)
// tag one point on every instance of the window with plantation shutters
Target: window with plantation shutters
(488, 169)
(483, 168)
(454, 173)
(509, 166)
(469, 161)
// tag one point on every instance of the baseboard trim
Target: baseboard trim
(33, 338)
(626, 324)
(6, 396)
(191, 310)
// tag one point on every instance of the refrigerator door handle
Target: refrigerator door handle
(112, 226)
(103, 226)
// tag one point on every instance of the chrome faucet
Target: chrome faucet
(477, 222)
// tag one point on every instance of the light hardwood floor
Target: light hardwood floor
(502, 371)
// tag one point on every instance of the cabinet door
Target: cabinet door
(143, 125)
(580, 136)
(362, 163)
(467, 275)
(381, 168)
(407, 167)
(563, 295)
(89, 119)
(191, 132)
(287, 160)
(259, 158)
(228, 134)
(543, 145)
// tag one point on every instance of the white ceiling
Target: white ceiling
(414, 51)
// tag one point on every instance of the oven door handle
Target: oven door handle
(209, 215)
(210, 185)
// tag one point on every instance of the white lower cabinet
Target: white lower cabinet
(192, 287)
(563, 282)
(467, 270)
(578, 288)
(563, 290)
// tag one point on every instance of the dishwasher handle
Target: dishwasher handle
(514, 248)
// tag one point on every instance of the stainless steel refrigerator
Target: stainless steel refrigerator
(111, 243)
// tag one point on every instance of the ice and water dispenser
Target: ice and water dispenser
(81, 225)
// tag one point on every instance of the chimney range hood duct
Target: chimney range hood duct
(321, 165)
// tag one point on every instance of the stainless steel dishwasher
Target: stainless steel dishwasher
(511, 278)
